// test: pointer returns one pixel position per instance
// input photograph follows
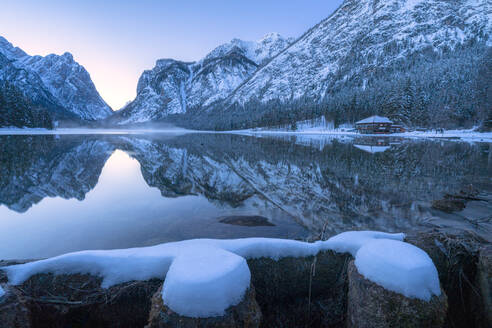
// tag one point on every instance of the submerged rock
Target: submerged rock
(370, 305)
(469, 192)
(449, 205)
(246, 221)
(246, 314)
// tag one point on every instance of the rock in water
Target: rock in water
(246, 221)
(449, 205)
(372, 306)
(485, 283)
(246, 314)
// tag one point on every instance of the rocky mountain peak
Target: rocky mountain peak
(8, 50)
(55, 82)
(173, 86)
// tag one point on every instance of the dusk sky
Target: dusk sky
(115, 40)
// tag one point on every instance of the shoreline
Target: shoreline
(465, 135)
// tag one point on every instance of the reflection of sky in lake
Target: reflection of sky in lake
(121, 211)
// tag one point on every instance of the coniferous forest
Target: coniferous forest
(17, 111)
(451, 89)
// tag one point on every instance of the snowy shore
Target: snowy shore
(87, 131)
(466, 135)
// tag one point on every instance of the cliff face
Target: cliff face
(71, 84)
(58, 84)
(174, 87)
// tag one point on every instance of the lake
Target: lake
(64, 193)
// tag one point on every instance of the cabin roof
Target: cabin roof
(375, 119)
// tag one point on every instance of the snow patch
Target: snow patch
(399, 267)
(203, 277)
(411, 4)
(352, 241)
(215, 279)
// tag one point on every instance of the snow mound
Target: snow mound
(352, 241)
(115, 266)
(399, 267)
(203, 277)
(2, 292)
(205, 283)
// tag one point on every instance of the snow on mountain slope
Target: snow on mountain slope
(25, 80)
(56, 82)
(10, 51)
(71, 84)
(160, 91)
(361, 36)
(173, 87)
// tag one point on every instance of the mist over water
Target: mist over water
(74, 192)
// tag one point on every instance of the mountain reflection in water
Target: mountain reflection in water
(68, 193)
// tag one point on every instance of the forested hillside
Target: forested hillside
(449, 89)
(17, 111)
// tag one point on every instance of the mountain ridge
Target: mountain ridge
(173, 86)
(357, 47)
(56, 83)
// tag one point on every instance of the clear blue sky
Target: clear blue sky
(117, 39)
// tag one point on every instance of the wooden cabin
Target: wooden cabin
(374, 125)
(397, 128)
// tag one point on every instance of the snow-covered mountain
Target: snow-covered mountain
(379, 47)
(174, 87)
(57, 83)
(361, 37)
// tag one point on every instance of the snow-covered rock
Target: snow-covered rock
(55, 82)
(399, 267)
(173, 87)
(204, 277)
(371, 305)
(221, 281)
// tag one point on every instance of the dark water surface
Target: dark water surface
(66, 193)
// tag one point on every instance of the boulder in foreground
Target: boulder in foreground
(246, 314)
(372, 306)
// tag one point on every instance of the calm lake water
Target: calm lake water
(66, 193)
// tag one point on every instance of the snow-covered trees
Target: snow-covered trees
(448, 90)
